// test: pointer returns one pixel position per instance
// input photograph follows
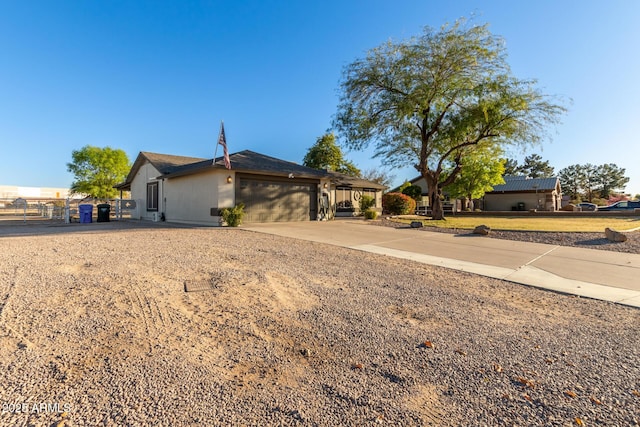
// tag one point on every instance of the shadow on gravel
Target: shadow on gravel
(594, 242)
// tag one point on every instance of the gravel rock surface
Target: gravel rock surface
(136, 325)
(582, 240)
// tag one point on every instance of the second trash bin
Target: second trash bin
(85, 213)
(103, 212)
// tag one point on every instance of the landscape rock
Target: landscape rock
(483, 230)
(416, 224)
(614, 236)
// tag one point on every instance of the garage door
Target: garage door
(269, 200)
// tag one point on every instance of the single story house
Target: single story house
(193, 190)
(520, 193)
(517, 193)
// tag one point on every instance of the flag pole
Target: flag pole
(217, 143)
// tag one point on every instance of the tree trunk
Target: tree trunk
(435, 203)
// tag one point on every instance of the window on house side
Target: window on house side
(152, 196)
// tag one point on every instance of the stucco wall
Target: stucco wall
(189, 199)
(146, 174)
(504, 202)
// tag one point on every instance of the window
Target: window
(152, 196)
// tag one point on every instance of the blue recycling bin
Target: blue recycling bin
(85, 213)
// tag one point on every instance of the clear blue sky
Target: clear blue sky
(159, 76)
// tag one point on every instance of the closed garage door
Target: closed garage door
(269, 200)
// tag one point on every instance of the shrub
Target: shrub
(366, 202)
(370, 214)
(398, 204)
(233, 216)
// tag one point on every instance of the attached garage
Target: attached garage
(272, 199)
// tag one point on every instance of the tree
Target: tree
(609, 177)
(413, 191)
(97, 170)
(511, 167)
(379, 176)
(589, 181)
(425, 100)
(571, 181)
(535, 167)
(481, 171)
(326, 154)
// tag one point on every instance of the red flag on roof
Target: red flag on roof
(222, 140)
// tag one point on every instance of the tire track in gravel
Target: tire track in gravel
(4, 322)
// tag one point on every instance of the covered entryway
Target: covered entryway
(271, 199)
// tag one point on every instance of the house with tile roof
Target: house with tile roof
(193, 190)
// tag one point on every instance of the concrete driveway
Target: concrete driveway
(604, 275)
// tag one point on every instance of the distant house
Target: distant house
(193, 190)
(517, 193)
(521, 193)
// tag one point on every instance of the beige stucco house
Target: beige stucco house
(193, 190)
(520, 193)
(517, 193)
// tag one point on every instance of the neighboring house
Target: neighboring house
(193, 190)
(520, 193)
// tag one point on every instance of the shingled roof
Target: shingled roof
(249, 161)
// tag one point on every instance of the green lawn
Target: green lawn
(528, 223)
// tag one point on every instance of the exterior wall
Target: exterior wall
(505, 201)
(146, 174)
(192, 199)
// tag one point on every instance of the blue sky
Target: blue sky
(160, 76)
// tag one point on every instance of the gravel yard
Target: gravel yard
(121, 324)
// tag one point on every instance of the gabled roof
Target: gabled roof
(164, 163)
(244, 161)
(249, 161)
(523, 184)
(341, 179)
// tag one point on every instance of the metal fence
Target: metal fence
(64, 210)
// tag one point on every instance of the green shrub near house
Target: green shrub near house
(370, 214)
(398, 204)
(233, 216)
(366, 202)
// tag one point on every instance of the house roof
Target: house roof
(515, 184)
(249, 161)
(341, 179)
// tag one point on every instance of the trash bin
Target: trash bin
(520, 206)
(85, 213)
(103, 212)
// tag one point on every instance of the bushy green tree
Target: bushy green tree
(535, 167)
(421, 101)
(413, 191)
(326, 154)
(590, 181)
(97, 170)
(481, 170)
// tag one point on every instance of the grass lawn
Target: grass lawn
(589, 224)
